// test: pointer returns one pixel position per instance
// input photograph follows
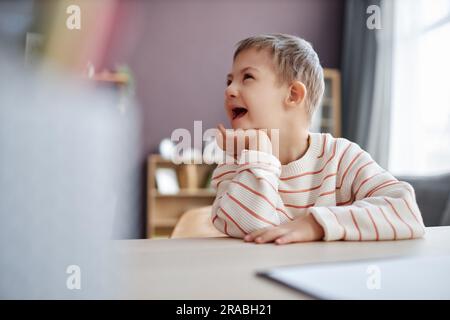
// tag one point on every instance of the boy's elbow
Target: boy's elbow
(423, 231)
(233, 229)
(227, 227)
(420, 230)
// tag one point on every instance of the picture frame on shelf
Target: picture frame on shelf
(327, 117)
(166, 181)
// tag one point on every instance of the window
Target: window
(420, 123)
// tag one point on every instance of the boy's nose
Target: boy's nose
(231, 91)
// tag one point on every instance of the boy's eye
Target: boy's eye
(246, 76)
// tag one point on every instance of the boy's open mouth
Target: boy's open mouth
(238, 112)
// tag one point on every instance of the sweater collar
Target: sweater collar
(310, 157)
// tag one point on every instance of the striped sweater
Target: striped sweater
(346, 191)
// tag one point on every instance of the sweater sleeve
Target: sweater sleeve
(375, 205)
(247, 194)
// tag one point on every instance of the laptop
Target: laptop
(391, 279)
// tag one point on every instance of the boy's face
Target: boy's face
(253, 97)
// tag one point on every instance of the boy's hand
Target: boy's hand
(301, 229)
(234, 141)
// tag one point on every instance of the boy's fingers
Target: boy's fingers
(221, 129)
(270, 235)
(221, 137)
(234, 141)
(231, 144)
(251, 236)
(239, 140)
(289, 238)
(264, 143)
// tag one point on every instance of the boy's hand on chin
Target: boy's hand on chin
(234, 141)
(301, 229)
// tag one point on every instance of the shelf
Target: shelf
(162, 223)
(164, 210)
(327, 122)
(327, 101)
(186, 193)
(160, 160)
(157, 159)
(327, 118)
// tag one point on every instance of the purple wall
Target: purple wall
(180, 52)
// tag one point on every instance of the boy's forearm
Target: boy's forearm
(390, 214)
(249, 201)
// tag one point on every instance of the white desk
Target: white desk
(224, 268)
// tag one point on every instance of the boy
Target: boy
(316, 187)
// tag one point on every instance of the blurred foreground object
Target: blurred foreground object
(69, 183)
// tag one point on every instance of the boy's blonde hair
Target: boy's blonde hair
(294, 59)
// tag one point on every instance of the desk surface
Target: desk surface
(225, 268)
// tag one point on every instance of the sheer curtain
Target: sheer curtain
(366, 78)
(380, 115)
(420, 115)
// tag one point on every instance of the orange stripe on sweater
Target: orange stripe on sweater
(261, 163)
(285, 213)
(326, 193)
(383, 184)
(312, 204)
(362, 167)
(365, 181)
(232, 220)
(222, 174)
(261, 178)
(323, 147)
(258, 167)
(306, 190)
(390, 223)
(343, 155)
(353, 197)
(313, 172)
(406, 202)
(255, 192)
(298, 207)
(348, 168)
(343, 228)
(249, 210)
(356, 224)
(225, 228)
(373, 222)
(326, 177)
(401, 219)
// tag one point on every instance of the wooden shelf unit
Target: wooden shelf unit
(164, 210)
(327, 117)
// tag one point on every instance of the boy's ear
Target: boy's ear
(296, 94)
